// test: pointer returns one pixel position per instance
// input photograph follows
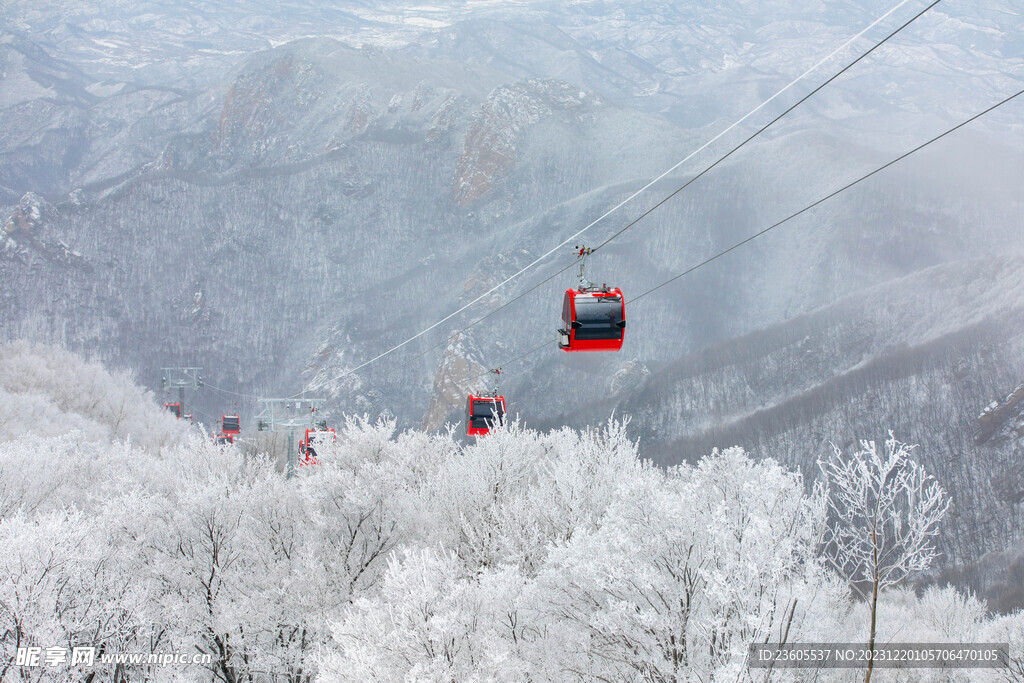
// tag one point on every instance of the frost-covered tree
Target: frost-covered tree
(408, 555)
(47, 391)
(580, 562)
(1007, 629)
(62, 586)
(481, 522)
(511, 497)
(433, 619)
(685, 573)
(250, 566)
(885, 514)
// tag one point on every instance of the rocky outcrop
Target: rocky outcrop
(443, 121)
(457, 374)
(631, 375)
(265, 102)
(27, 216)
(999, 413)
(24, 234)
(491, 144)
(360, 111)
(1001, 432)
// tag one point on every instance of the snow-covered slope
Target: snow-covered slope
(282, 193)
(47, 392)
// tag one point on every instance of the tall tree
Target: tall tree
(885, 510)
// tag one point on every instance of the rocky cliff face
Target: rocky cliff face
(1000, 437)
(28, 235)
(1001, 416)
(458, 374)
(493, 141)
(265, 102)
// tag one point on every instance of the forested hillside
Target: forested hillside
(525, 556)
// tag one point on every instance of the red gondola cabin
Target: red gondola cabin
(482, 413)
(223, 439)
(174, 408)
(314, 438)
(230, 424)
(593, 320)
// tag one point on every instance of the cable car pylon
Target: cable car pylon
(180, 379)
(288, 415)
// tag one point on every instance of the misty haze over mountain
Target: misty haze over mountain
(282, 192)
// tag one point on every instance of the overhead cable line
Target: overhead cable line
(630, 197)
(828, 196)
(766, 126)
(454, 335)
(227, 391)
(734, 246)
(797, 213)
(629, 225)
(518, 358)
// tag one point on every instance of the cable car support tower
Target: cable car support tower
(181, 379)
(288, 415)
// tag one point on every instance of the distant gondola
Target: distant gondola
(482, 413)
(230, 424)
(223, 439)
(314, 438)
(174, 408)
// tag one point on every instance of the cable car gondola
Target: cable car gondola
(313, 439)
(223, 439)
(483, 412)
(174, 408)
(593, 318)
(230, 424)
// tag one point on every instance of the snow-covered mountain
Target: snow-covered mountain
(282, 193)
